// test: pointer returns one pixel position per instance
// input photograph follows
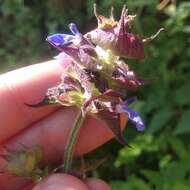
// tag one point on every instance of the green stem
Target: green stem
(70, 145)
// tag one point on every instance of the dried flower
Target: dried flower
(118, 38)
(96, 79)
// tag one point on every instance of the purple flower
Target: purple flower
(109, 107)
(133, 116)
(63, 40)
(98, 79)
(75, 46)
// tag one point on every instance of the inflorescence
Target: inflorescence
(96, 80)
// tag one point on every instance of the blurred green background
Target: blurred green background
(160, 157)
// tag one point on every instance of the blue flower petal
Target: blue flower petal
(74, 29)
(60, 40)
(135, 118)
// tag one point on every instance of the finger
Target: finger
(26, 85)
(60, 182)
(30, 186)
(97, 184)
(92, 183)
(51, 134)
(10, 182)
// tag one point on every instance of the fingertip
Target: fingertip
(97, 184)
(60, 182)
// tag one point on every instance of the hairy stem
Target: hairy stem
(70, 145)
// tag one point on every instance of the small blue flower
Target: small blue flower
(63, 40)
(136, 119)
(133, 116)
(60, 40)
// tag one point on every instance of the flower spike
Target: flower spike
(98, 78)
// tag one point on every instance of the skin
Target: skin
(48, 126)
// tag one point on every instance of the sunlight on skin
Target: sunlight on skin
(29, 85)
(26, 85)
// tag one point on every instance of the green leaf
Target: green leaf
(128, 155)
(154, 177)
(141, 3)
(186, 29)
(178, 147)
(175, 171)
(90, 12)
(183, 125)
(133, 183)
(165, 160)
(181, 186)
(159, 119)
(182, 94)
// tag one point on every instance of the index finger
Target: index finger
(26, 85)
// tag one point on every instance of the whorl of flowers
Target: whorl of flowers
(98, 79)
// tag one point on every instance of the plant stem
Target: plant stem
(70, 145)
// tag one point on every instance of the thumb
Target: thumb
(68, 182)
(60, 182)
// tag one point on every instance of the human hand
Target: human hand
(45, 126)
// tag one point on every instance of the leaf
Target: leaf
(121, 185)
(45, 101)
(151, 104)
(178, 147)
(128, 155)
(165, 160)
(90, 12)
(154, 177)
(181, 186)
(141, 3)
(174, 171)
(113, 122)
(183, 125)
(133, 183)
(159, 119)
(182, 94)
